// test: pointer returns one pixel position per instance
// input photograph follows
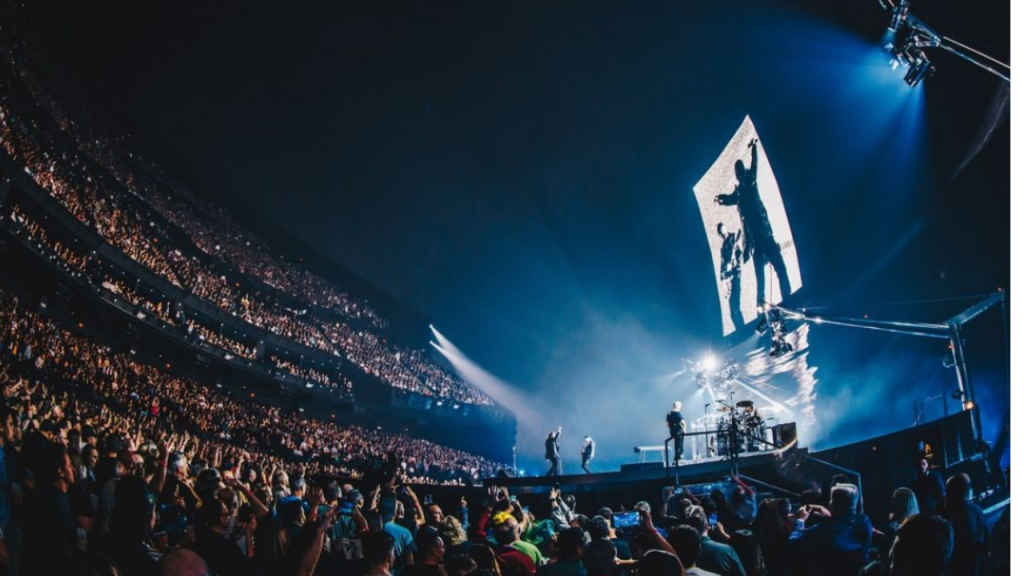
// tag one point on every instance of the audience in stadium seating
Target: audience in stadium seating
(111, 465)
(37, 350)
(118, 197)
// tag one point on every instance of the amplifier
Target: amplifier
(783, 434)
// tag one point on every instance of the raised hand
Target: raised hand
(315, 497)
(645, 519)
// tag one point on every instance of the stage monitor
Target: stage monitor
(752, 248)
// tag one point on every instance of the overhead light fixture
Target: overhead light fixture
(906, 37)
(772, 322)
(920, 68)
(899, 17)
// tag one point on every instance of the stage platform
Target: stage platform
(877, 464)
(705, 470)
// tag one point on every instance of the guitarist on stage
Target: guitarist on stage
(587, 453)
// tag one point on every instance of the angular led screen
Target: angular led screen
(745, 221)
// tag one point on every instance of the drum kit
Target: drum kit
(751, 430)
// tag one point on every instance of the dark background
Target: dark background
(521, 175)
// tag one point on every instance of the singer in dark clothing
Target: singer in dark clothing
(676, 428)
(759, 241)
(551, 453)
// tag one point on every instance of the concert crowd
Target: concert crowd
(112, 466)
(198, 248)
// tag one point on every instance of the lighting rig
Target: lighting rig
(907, 36)
(773, 321)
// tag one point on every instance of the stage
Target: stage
(788, 470)
(704, 470)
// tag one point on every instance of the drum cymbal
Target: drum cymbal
(723, 409)
(745, 404)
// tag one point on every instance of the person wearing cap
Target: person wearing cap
(512, 561)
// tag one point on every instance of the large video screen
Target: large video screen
(745, 221)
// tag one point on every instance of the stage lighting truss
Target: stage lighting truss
(907, 36)
(951, 331)
(918, 65)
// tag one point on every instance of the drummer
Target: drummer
(748, 415)
(752, 421)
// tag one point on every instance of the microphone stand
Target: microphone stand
(707, 438)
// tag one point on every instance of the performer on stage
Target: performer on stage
(676, 428)
(551, 453)
(751, 423)
(587, 453)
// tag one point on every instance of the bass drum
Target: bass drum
(756, 437)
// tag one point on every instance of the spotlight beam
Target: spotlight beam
(763, 396)
(476, 375)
